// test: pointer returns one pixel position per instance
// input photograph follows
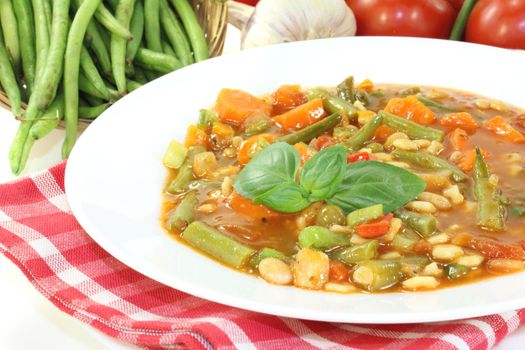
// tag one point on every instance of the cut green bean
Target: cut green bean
(424, 224)
(42, 36)
(405, 240)
(412, 265)
(26, 34)
(330, 215)
(413, 90)
(312, 131)
(428, 161)
(217, 244)
(185, 174)
(360, 216)
(258, 127)
(334, 104)
(183, 214)
(454, 271)
(440, 107)
(123, 13)
(91, 73)
(342, 134)
(206, 119)
(345, 90)
(357, 253)
(112, 23)
(491, 212)
(193, 28)
(412, 129)
(157, 61)
(92, 112)
(267, 253)
(152, 24)
(175, 33)
(49, 119)
(318, 237)
(377, 274)
(137, 30)
(8, 79)
(10, 33)
(365, 134)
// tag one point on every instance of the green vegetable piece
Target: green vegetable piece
(217, 244)
(454, 271)
(379, 274)
(266, 253)
(157, 61)
(439, 107)
(375, 147)
(175, 33)
(206, 119)
(8, 78)
(185, 174)
(461, 20)
(517, 210)
(429, 161)
(345, 89)
(311, 131)
(334, 104)
(152, 24)
(175, 155)
(193, 29)
(424, 224)
(366, 133)
(360, 216)
(342, 134)
(412, 129)
(330, 215)
(357, 253)
(406, 239)
(184, 213)
(362, 96)
(413, 264)
(410, 91)
(321, 238)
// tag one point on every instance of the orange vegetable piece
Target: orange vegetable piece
(256, 211)
(222, 132)
(286, 98)
(383, 132)
(461, 120)
(412, 109)
(466, 163)
(196, 137)
(338, 271)
(234, 106)
(375, 228)
(305, 152)
(303, 115)
(251, 146)
(365, 85)
(459, 139)
(499, 126)
(492, 249)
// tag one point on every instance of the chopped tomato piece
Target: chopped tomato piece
(383, 132)
(286, 98)
(356, 157)
(338, 271)
(306, 152)
(196, 137)
(461, 120)
(365, 85)
(459, 139)
(234, 106)
(375, 228)
(303, 115)
(492, 249)
(466, 163)
(412, 109)
(251, 146)
(256, 211)
(324, 141)
(499, 126)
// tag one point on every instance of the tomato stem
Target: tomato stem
(461, 20)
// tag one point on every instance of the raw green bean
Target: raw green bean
(26, 35)
(206, 119)
(193, 28)
(85, 85)
(10, 29)
(429, 161)
(424, 224)
(357, 253)
(112, 23)
(454, 271)
(321, 238)
(461, 20)
(330, 215)
(311, 131)
(385, 273)
(71, 71)
(48, 10)
(8, 79)
(99, 48)
(491, 213)
(132, 85)
(360, 216)
(137, 29)
(139, 76)
(91, 101)
(167, 49)
(267, 253)
(42, 36)
(185, 174)
(334, 104)
(91, 73)
(217, 244)
(123, 13)
(175, 33)
(49, 119)
(183, 214)
(152, 24)
(345, 89)
(157, 61)
(406, 239)
(366, 133)
(412, 129)
(92, 112)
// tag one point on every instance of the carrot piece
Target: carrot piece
(412, 109)
(466, 163)
(305, 151)
(338, 271)
(459, 139)
(196, 137)
(492, 249)
(256, 211)
(286, 98)
(252, 145)
(383, 132)
(499, 126)
(461, 120)
(365, 85)
(303, 115)
(223, 133)
(234, 106)
(375, 228)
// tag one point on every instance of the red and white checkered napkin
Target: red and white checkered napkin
(39, 234)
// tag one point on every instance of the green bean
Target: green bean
(85, 85)
(151, 74)
(440, 107)
(49, 119)
(375, 147)
(412, 129)
(99, 48)
(138, 76)
(357, 253)
(267, 253)
(342, 134)
(8, 79)
(185, 174)
(193, 28)
(383, 273)
(424, 224)
(334, 104)
(412, 265)
(330, 215)
(206, 119)
(157, 61)
(26, 34)
(167, 49)
(413, 90)
(491, 213)
(258, 127)
(71, 71)
(92, 112)
(91, 101)
(362, 96)
(461, 20)
(42, 36)
(132, 85)
(175, 33)
(454, 271)
(152, 24)
(123, 13)
(112, 23)
(137, 30)
(366, 133)
(10, 29)
(321, 238)
(91, 73)
(345, 89)
(184, 213)
(217, 244)
(405, 240)
(311, 131)
(49, 14)
(360, 216)
(429, 161)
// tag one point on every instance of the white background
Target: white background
(30, 321)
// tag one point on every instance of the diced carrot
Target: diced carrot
(422, 247)
(466, 163)
(286, 98)
(338, 271)
(412, 109)
(234, 106)
(375, 228)
(323, 141)
(492, 249)
(303, 115)
(459, 139)
(356, 157)
(256, 211)
(461, 120)
(222, 133)
(306, 152)
(196, 137)
(252, 145)
(365, 85)
(383, 132)
(499, 126)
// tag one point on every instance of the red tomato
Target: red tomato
(422, 18)
(456, 4)
(498, 22)
(357, 157)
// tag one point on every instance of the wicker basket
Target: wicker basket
(212, 15)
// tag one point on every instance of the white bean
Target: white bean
(420, 282)
(447, 252)
(275, 271)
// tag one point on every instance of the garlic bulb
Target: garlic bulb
(277, 21)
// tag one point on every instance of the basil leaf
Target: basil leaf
(287, 198)
(322, 175)
(271, 167)
(369, 182)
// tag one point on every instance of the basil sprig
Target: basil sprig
(270, 179)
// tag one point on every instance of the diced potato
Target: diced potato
(204, 164)
(311, 269)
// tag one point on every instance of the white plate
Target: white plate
(114, 176)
